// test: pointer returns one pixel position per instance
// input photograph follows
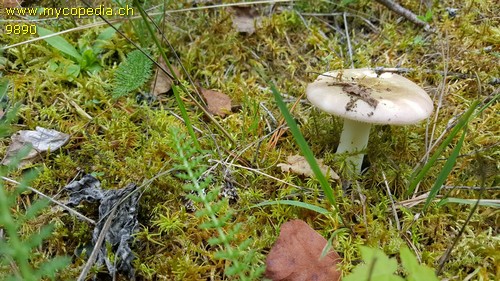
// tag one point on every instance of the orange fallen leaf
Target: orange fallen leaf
(217, 103)
(296, 255)
(162, 83)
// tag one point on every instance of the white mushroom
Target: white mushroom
(362, 98)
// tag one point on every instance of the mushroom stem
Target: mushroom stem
(354, 139)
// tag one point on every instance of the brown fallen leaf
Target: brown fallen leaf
(296, 255)
(161, 83)
(217, 103)
(298, 165)
(245, 18)
(41, 140)
(10, 3)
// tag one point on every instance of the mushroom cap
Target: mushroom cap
(361, 95)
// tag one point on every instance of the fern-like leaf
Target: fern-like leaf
(131, 74)
(217, 212)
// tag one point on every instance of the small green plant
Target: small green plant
(241, 258)
(378, 266)
(16, 250)
(131, 74)
(427, 17)
(84, 59)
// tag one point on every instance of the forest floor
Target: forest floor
(128, 139)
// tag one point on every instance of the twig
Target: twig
(72, 211)
(349, 47)
(271, 116)
(258, 172)
(367, 21)
(362, 198)
(415, 250)
(470, 187)
(414, 201)
(97, 246)
(398, 225)
(404, 70)
(407, 14)
(182, 120)
(447, 253)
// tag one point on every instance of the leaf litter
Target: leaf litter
(217, 103)
(297, 255)
(298, 165)
(245, 19)
(41, 140)
(162, 83)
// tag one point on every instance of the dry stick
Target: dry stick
(398, 225)
(446, 254)
(97, 246)
(182, 120)
(442, 92)
(258, 172)
(53, 201)
(470, 187)
(415, 200)
(362, 198)
(404, 70)
(368, 23)
(174, 77)
(349, 47)
(407, 14)
(415, 250)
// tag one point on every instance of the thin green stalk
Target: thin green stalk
(172, 74)
(10, 228)
(304, 147)
(418, 176)
(206, 203)
(443, 174)
(304, 205)
(185, 116)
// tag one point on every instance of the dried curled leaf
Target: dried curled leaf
(41, 140)
(245, 18)
(296, 255)
(162, 83)
(298, 165)
(217, 103)
(10, 3)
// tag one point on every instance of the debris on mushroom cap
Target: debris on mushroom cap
(362, 95)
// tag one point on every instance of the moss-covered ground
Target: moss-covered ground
(127, 141)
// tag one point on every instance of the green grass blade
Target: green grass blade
(4, 86)
(185, 116)
(145, 17)
(304, 147)
(420, 174)
(175, 88)
(483, 202)
(304, 205)
(448, 166)
(486, 105)
(59, 43)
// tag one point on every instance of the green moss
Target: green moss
(127, 142)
